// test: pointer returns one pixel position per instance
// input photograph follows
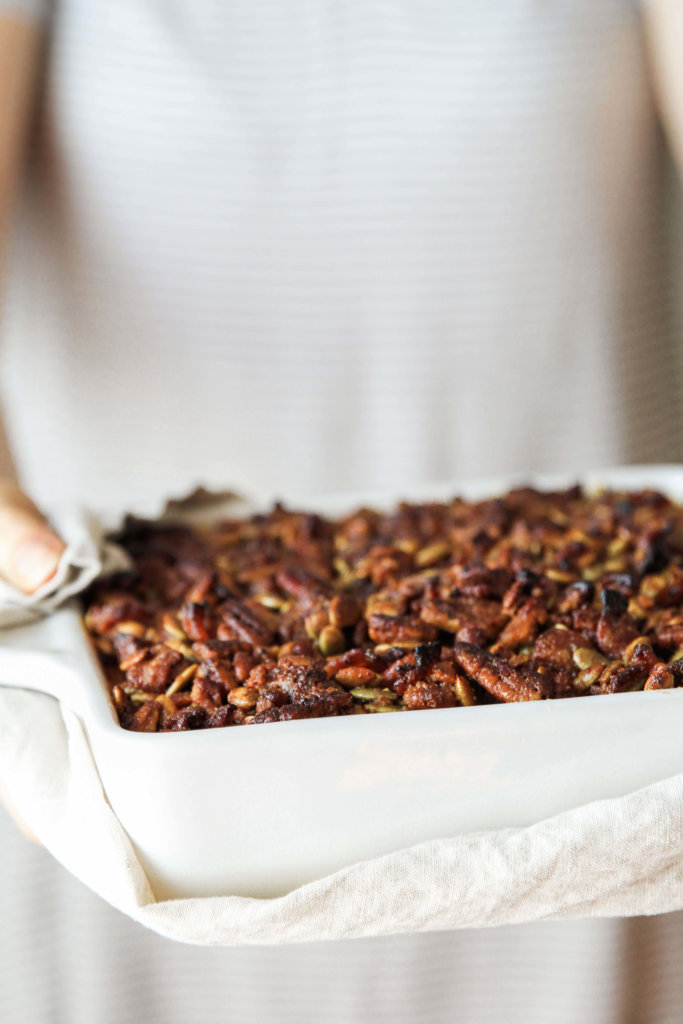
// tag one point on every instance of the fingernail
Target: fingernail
(35, 561)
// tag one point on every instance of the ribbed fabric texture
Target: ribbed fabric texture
(306, 247)
(311, 246)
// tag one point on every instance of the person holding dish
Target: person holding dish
(293, 250)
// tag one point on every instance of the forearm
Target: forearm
(664, 26)
(19, 42)
(29, 550)
(7, 467)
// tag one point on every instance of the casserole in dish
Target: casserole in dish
(257, 811)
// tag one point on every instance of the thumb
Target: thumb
(29, 549)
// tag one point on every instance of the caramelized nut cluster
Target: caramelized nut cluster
(291, 615)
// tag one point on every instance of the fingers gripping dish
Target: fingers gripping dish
(292, 615)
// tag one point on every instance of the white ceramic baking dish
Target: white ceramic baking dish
(258, 811)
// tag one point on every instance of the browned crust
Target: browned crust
(290, 615)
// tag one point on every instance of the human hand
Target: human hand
(29, 555)
(29, 549)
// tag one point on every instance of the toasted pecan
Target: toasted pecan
(290, 615)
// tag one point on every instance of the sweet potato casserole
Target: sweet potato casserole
(291, 615)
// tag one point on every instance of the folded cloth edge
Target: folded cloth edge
(619, 857)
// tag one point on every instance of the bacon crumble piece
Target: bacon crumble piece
(288, 615)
